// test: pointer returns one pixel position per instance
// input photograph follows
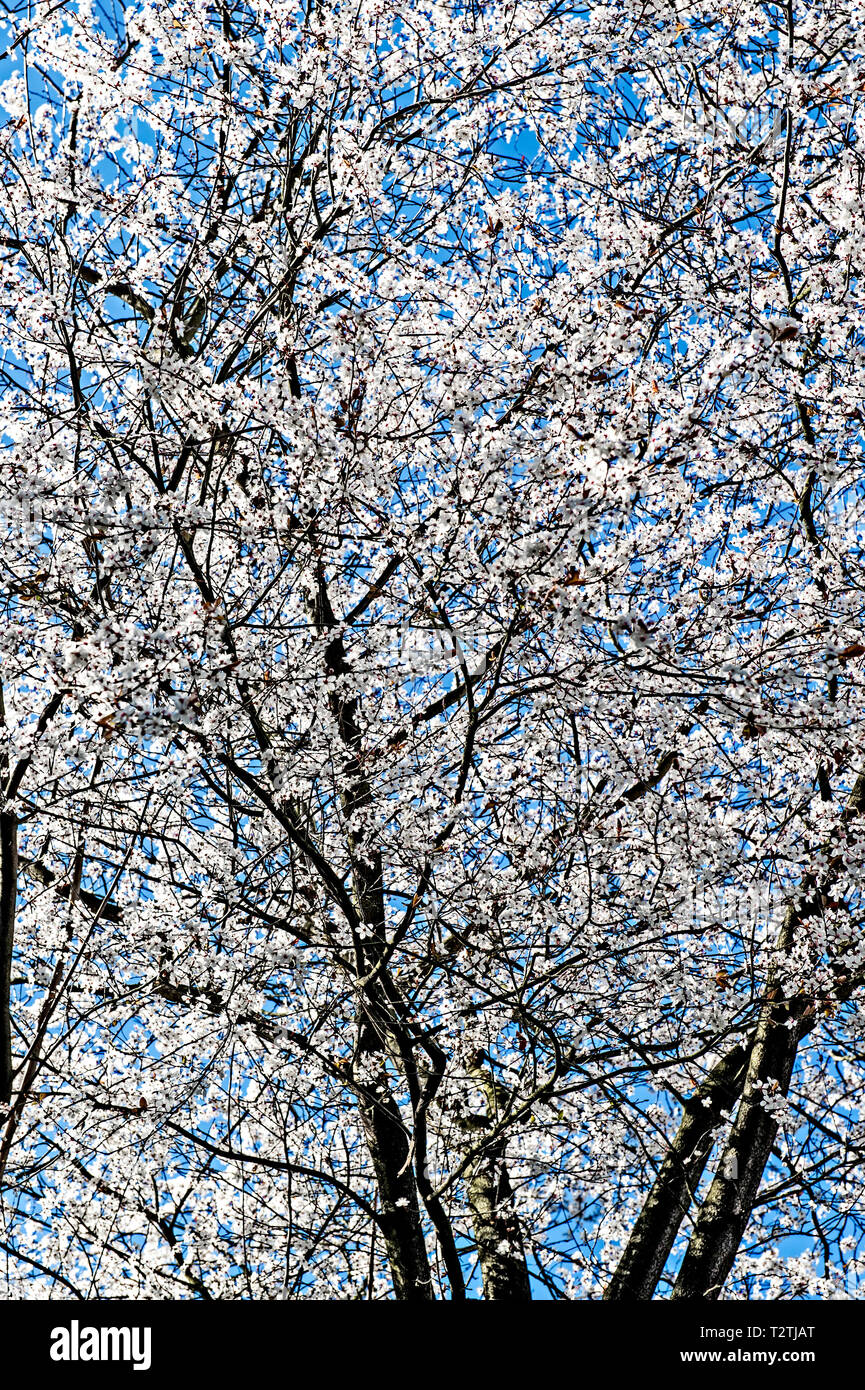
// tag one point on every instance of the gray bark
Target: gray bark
(648, 1249)
(400, 1219)
(783, 1023)
(497, 1231)
(387, 1138)
(504, 1271)
(727, 1207)
(8, 898)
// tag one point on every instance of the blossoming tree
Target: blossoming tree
(431, 847)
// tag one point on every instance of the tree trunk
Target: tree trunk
(657, 1225)
(386, 1135)
(504, 1271)
(388, 1145)
(728, 1204)
(497, 1232)
(8, 899)
(727, 1207)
